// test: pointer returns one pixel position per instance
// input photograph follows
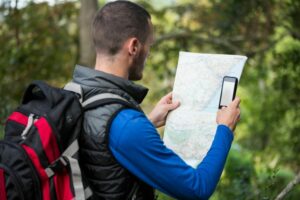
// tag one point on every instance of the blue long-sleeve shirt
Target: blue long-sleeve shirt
(137, 146)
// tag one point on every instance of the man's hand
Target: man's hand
(229, 116)
(159, 114)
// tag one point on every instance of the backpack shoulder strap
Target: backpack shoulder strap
(99, 99)
(74, 87)
(94, 102)
(106, 98)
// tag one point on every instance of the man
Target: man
(122, 155)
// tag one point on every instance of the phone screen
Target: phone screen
(228, 91)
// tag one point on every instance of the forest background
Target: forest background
(45, 39)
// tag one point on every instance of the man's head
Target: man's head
(122, 27)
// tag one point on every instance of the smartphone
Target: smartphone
(228, 91)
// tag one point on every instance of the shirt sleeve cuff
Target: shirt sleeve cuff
(226, 132)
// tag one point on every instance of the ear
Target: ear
(133, 46)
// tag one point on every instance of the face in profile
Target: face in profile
(136, 70)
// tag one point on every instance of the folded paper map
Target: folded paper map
(190, 128)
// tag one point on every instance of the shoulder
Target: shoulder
(128, 118)
(96, 120)
(129, 114)
(130, 126)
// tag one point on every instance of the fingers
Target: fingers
(235, 103)
(173, 106)
(238, 114)
(229, 115)
(167, 98)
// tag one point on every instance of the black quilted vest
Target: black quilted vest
(106, 177)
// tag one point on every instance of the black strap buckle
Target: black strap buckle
(59, 164)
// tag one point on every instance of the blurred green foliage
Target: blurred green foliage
(39, 41)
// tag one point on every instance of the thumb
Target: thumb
(173, 105)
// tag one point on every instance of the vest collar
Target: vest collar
(96, 78)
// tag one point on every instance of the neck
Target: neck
(116, 65)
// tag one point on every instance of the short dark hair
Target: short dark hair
(117, 21)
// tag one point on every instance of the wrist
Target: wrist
(226, 129)
(151, 119)
(226, 125)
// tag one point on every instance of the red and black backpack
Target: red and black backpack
(39, 153)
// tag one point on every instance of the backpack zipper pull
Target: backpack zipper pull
(30, 122)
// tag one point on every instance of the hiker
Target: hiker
(121, 153)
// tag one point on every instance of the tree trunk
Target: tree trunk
(87, 52)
